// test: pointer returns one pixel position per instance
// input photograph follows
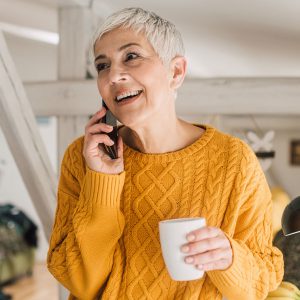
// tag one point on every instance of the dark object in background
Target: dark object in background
(18, 240)
(295, 153)
(290, 247)
(291, 218)
(9, 214)
(5, 296)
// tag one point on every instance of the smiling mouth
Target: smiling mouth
(128, 96)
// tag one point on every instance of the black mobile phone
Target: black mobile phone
(110, 119)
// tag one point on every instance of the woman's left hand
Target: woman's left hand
(208, 249)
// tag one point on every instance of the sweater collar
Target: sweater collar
(175, 155)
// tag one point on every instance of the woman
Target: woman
(105, 241)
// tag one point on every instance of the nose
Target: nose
(117, 74)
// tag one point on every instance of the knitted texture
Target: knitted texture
(105, 239)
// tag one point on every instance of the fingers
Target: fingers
(93, 131)
(209, 257)
(220, 264)
(204, 233)
(97, 135)
(96, 139)
(205, 245)
(120, 147)
(96, 117)
(98, 128)
(210, 249)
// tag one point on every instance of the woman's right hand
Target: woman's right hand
(95, 157)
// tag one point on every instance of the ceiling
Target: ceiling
(222, 38)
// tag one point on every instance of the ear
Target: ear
(178, 71)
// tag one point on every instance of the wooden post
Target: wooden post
(21, 132)
(75, 29)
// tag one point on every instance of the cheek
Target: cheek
(158, 84)
(155, 79)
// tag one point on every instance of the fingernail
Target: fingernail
(185, 249)
(189, 260)
(191, 237)
(111, 142)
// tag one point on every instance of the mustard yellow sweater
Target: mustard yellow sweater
(105, 241)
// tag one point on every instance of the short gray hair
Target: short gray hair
(162, 34)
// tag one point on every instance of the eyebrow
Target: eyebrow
(120, 49)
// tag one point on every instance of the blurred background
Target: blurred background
(243, 78)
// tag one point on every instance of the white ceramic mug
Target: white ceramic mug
(172, 236)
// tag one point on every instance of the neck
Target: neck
(167, 135)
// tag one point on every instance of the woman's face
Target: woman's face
(132, 79)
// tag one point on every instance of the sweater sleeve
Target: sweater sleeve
(87, 227)
(257, 266)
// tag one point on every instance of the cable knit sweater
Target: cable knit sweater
(105, 241)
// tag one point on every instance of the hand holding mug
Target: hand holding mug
(208, 249)
(173, 233)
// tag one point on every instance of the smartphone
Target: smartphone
(110, 119)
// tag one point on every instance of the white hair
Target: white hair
(162, 34)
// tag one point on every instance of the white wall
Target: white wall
(35, 61)
(27, 13)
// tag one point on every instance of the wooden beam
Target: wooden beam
(247, 122)
(71, 127)
(278, 123)
(21, 132)
(75, 27)
(30, 33)
(234, 96)
(65, 3)
(64, 98)
(240, 96)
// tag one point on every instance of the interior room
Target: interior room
(243, 78)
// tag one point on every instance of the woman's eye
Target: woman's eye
(101, 67)
(131, 56)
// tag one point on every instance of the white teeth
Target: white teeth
(124, 95)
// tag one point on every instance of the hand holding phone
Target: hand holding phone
(97, 134)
